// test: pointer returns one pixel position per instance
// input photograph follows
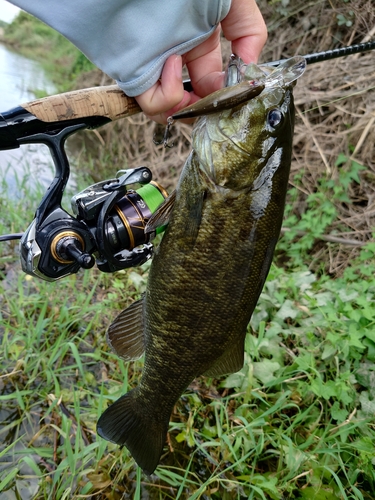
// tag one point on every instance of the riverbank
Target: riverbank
(33, 39)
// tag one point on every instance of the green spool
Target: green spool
(153, 195)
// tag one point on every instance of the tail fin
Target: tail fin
(128, 423)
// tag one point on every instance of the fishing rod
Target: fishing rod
(93, 107)
(327, 55)
(109, 217)
(316, 57)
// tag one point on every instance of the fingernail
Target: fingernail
(178, 67)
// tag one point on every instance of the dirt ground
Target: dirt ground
(335, 112)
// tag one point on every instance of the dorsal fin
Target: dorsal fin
(126, 334)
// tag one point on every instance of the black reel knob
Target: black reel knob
(68, 247)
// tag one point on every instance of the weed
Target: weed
(316, 214)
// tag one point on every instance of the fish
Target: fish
(223, 222)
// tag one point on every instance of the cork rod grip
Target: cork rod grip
(109, 102)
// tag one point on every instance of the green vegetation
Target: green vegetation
(320, 213)
(59, 57)
(295, 422)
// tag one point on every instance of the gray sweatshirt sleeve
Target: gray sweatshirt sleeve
(130, 40)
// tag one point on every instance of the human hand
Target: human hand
(243, 26)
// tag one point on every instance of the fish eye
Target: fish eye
(275, 117)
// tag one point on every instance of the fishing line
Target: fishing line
(359, 92)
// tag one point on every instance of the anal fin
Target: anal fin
(230, 362)
(126, 334)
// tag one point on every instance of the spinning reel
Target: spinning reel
(107, 229)
(108, 221)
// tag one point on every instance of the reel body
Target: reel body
(107, 229)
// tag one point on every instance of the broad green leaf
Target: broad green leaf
(264, 370)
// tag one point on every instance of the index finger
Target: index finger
(204, 64)
(244, 26)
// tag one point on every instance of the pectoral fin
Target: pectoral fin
(126, 334)
(230, 362)
(193, 217)
(162, 215)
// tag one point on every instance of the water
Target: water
(18, 77)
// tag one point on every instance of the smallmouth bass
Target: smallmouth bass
(224, 220)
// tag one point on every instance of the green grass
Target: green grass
(296, 422)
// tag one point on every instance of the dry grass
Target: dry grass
(335, 106)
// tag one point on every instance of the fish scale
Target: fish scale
(208, 272)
